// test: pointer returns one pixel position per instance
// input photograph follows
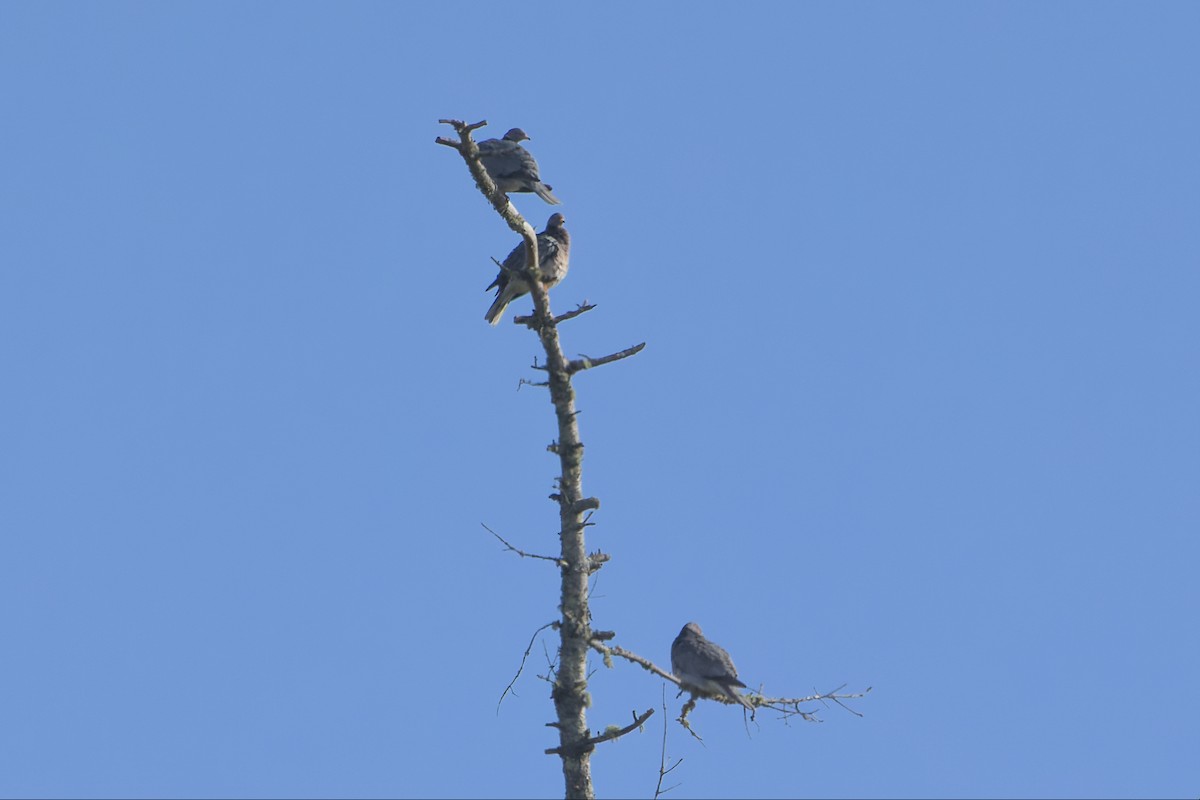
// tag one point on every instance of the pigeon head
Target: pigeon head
(515, 135)
(691, 628)
(556, 221)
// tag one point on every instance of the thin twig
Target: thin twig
(790, 706)
(528, 649)
(663, 769)
(521, 553)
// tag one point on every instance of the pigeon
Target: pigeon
(705, 668)
(512, 167)
(554, 249)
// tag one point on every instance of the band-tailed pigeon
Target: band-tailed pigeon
(512, 167)
(704, 668)
(554, 250)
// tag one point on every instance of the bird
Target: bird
(512, 167)
(704, 668)
(554, 251)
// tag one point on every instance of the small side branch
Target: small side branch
(462, 128)
(663, 769)
(531, 321)
(644, 663)
(586, 362)
(522, 553)
(790, 706)
(528, 650)
(610, 733)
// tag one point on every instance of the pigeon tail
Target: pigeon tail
(734, 694)
(543, 191)
(503, 298)
(493, 313)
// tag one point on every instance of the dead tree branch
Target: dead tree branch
(586, 362)
(790, 706)
(663, 769)
(610, 733)
(521, 553)
(531, 322)
(521, 666)
(569, 690)
(786, 706)
(567, 672)
(620, 652)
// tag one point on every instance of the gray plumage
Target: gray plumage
(512, 167)
(554, 252)
(704, 668)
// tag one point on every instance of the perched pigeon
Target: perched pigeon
(554, 250)
(511, 166)
(705, 668)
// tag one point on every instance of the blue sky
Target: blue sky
(918, 408)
